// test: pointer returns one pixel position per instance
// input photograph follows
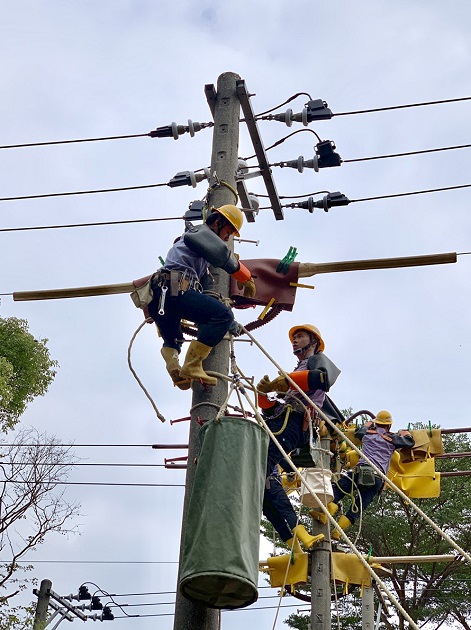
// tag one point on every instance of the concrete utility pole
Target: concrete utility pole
(206, 402)
(320, 562)
(44, 595)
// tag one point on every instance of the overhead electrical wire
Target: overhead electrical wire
(74, 225)
(42, 144)
(99, 483)
(384, 109)
(101, 223)
(210, 124)
(407, 153)
(83, 192)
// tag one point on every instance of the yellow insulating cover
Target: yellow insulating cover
(350, 433)
(349, 569)
(351, 458)
(417, 479)
(297, 571)
(426, 444)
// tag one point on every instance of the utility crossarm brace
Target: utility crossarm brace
(251, 123)
(210, 92)
(68, 606)
(305, 270)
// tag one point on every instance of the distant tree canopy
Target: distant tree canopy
(26, 369)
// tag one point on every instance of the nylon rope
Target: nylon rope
(267, 429)
(380, 473)
(159, 415)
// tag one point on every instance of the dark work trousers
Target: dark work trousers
(277, 507)
(344, 487)
(212, 317)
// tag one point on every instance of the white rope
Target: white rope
(398, 491)
(373, 574)
(159, 415)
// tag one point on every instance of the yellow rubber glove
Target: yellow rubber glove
(279, 384)
(249, 288)
(264, 385)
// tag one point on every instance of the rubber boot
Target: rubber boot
(193, 366)
(321, 517)
(308, 541)
(296, 547)
(170, 356)
(344, 523)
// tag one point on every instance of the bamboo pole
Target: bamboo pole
(311, 269)
(59, 294)
(305, 270)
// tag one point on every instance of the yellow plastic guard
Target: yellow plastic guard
(349, 570)
(417, 479)
(426, 444)
(297, 572)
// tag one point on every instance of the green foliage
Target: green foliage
(26, 369)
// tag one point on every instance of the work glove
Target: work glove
(279, 384)
(235, 329)
(249, 288)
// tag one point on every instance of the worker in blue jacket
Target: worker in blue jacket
(362, 484)
(288, 418)
(178, 293)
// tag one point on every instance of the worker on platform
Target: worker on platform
(363, 484)
(178, 293)
(288, 417)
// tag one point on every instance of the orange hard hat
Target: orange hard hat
(309, 328)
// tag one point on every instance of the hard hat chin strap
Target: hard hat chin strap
(306, 347)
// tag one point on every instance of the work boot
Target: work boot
(344, 523)
(320, 516)
(308, 541)
(193, 366)
(296, 547)
(170, 356)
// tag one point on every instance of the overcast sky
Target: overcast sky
(99, 68)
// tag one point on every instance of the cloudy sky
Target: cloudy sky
(101, 68)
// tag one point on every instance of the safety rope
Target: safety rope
(373, 574)
(159, 415)
(380, 473)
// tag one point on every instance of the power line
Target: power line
(100, 483)
(210, 124)
(43, 144)
(416, 192)
(73, 225)
(83, 464)
(82, 192)
(384, 109)
(393, 155)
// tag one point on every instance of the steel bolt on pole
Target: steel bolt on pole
(206, 401)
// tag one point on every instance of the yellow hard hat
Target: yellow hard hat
(310, 328)
(383, 417)
(233, 214)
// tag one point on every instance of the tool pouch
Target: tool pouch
(143, 294)
(366, 476)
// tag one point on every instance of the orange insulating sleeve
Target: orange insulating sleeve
(301, 379)
(242, 274)
(264, 403)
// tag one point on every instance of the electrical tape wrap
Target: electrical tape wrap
(221, 538)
